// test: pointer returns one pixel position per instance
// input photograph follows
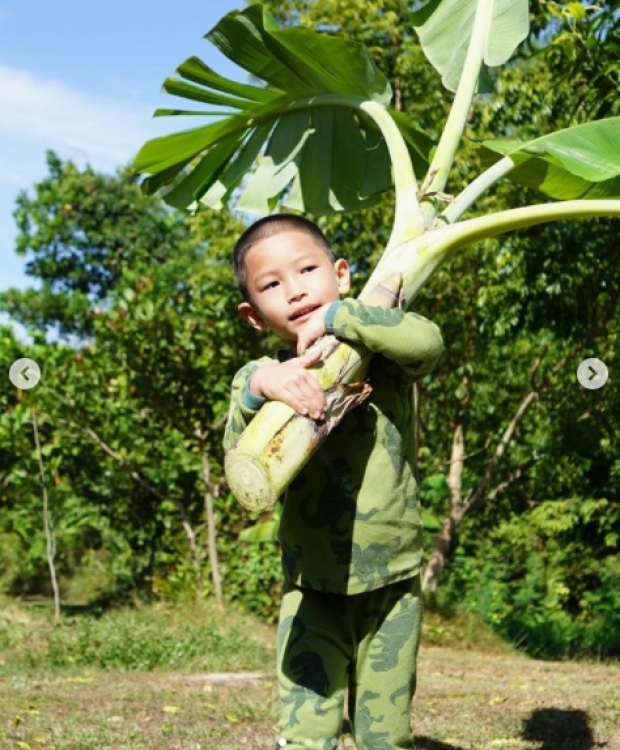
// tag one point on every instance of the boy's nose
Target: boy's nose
(295, 291)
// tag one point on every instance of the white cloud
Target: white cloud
(38, 113)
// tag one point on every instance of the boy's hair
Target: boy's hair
(269, 226)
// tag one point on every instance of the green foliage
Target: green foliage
(584, 52)
(126, 419)
(79, 231)
(548, 579)
(251, 570)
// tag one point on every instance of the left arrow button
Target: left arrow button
(24, 373)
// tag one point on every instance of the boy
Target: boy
(350, 528)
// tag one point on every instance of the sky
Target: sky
(83, 79)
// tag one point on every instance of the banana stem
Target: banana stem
(457, 119)
(475, 189)
(408, 216)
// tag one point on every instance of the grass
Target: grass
(222, 696)
(147, 638)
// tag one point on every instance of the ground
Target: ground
(465, 700)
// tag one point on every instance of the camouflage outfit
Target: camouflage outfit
(350, 533)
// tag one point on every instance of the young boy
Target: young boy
(350, 527)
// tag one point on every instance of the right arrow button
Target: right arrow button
(592, 373)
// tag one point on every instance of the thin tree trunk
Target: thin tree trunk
(444, 540)
(211, 532)
(396, 85)
(47, 520)
(417, 420)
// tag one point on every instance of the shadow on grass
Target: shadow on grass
(551, 728)
(560, 729)
(427, 743)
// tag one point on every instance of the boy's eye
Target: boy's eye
(307, 268)
(270, 285)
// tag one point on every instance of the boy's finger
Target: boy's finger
(310, 356)
(305, 344)
(312, 397)
(317, 401)
(301, 348)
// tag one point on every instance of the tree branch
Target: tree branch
(510, 480)
(473, 498)
(479, 495)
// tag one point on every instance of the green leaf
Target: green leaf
(578, 162)
(576, 10)
(316, 151)
(298, 59)
(182, 194)
(193, 69)
(199, 94)
(166, 152)
(221, 190)
(261, 532)
(445, 30)
(431, 522)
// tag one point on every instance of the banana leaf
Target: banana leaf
(578, 162)
(445, 28)
(315, 150)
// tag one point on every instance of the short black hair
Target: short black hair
(269, 226)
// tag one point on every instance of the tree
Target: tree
(584, 53)
(108, 527)
(130, 420)
(80, 231)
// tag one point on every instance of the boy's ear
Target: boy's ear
(252, 316)
(343, 272)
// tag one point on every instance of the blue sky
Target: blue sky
(83, 79)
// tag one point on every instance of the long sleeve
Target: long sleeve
(244, 405)
(409, 340)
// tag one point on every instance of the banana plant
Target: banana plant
(319, 136)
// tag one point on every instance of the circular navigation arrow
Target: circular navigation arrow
(24, 373)
(592, 373)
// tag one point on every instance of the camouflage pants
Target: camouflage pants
(364, 643)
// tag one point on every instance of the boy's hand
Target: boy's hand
(291, 383)
(312, 329)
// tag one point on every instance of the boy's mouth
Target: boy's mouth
(303, 312)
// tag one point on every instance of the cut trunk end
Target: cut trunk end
(249, 482)
(261, 465)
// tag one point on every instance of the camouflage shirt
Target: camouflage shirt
(350, 520)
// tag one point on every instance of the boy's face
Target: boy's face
(289, 276)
